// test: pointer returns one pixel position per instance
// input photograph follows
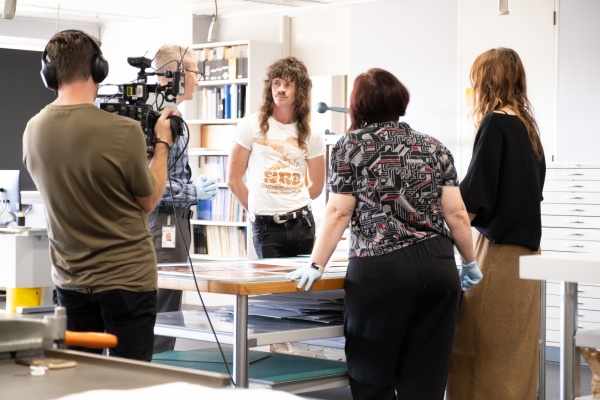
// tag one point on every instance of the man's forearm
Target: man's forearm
(240, 192)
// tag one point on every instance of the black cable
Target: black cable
(177, 64)
(185, 133)
(182, 55)
(157, 94)
(191, 264)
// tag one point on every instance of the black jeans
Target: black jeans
(400, 312)
(287, 239)
(130, 316)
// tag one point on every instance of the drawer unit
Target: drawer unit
(571, 172)
(584, 316)
(571, 223)
(570, 246)
(572, 186)
(588, 309)
(570, 198)
(554, 324)
(570, 234)
(586, 210)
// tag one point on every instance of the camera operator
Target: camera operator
(181, 192)
(92, 173)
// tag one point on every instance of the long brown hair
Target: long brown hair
(498, 80)
(377, 96)
(290, 69)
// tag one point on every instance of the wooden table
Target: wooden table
(242, 279)
(569, 269)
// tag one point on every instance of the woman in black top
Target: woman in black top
(398, 190)
(495, 352)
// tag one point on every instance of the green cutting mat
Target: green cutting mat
(269, 367)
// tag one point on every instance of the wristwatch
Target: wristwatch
(317, 267)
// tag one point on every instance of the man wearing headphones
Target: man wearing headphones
(92, 173)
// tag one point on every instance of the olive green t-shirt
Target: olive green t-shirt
(88, 165)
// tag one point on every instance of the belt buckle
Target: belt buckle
(276, 218)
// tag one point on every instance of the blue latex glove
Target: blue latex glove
(470, 275)
(206, 189)
(306, 275)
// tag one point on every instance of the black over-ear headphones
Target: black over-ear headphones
(99, 64)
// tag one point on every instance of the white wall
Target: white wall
(391, 34)
(27, 31)
(578, 81)
(263, 27)
(321, 38)
(417, 42)
(136, 39)
(529, 30)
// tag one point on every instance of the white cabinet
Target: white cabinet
(570, 223)
(25, 258)
(231, 88)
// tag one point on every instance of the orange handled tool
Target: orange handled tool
(94, 340)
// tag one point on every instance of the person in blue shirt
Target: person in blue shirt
(173, 214)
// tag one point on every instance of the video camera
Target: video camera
(131, 100)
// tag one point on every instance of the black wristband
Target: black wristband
(317, 267)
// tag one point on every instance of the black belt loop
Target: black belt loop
(184, 213)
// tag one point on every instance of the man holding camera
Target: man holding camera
(92, 173)
(172, 216)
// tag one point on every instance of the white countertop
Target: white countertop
(24, 231)
(569, 267)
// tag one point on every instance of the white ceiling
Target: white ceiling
(105, 11)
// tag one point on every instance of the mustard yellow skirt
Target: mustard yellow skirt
(496, 345)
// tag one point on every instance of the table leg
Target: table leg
(542, 344)
(240, 345)
(568, 323)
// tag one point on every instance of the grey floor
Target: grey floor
(552, 377)
(552, 385)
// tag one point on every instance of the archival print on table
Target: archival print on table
(253, 270)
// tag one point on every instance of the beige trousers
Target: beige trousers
(496, 345)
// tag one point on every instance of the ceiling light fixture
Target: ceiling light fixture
(10, 6)
(213, 29)
(503, 7)
(289, 3)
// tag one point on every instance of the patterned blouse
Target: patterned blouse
(396, 175)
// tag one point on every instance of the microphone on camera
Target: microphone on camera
(322, 107)
(178, 83)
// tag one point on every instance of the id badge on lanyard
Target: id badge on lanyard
(168, 235)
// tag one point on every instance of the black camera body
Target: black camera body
(132, 100)
(143, 113)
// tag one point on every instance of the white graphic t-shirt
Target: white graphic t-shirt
(277, 166)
